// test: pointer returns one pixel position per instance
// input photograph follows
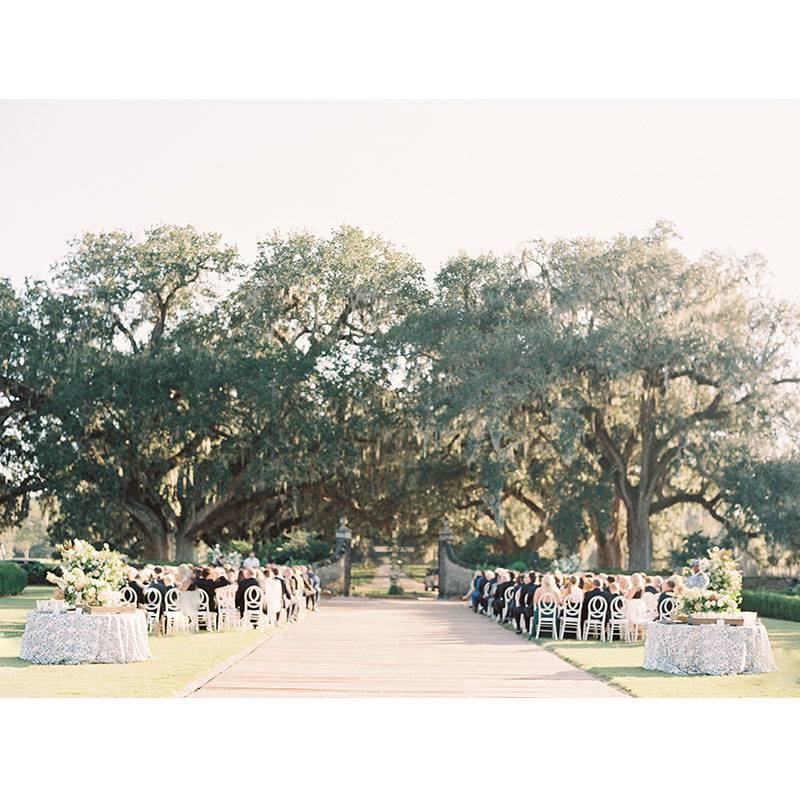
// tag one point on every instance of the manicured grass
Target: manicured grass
(177, 660)
(621, 665)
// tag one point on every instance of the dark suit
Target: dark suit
(208, 586)
(242, 587)
(523, 611)
(651, 589)
(499, 597)
(662, 597)
(587, 598)
(138, 590)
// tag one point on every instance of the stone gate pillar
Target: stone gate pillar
(344, 547)
(454, 576)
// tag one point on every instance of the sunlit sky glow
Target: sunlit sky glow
(434, 177)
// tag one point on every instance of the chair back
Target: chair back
(618, 605)
(202, 604)
(152, 600)
(572, 609)
(597, 608)
(547, 605)
(252, 598)
(509, 593)
(172, 599)
(129, 596)
(224, 597)
(666, 608)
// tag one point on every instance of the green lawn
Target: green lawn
(621, 665)
(177, 660)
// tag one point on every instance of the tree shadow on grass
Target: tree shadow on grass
(13, 662)
(11, 630)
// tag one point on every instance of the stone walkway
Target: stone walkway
(400, 648)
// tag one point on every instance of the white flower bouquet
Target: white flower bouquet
(707, 602)
(89, 576)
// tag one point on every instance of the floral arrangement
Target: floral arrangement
(724, 592)
(723, 573)
(89, 576)
(700, 602)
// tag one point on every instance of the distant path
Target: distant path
(381, 581)
(357, 647)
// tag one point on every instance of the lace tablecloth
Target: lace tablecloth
(708, 649)
(85, 638)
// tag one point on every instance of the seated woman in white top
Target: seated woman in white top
(548, 587)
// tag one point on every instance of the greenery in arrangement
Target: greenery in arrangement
(13, 578)
(157, 392)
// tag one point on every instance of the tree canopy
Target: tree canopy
(158, 392)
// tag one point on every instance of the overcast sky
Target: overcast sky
(433, 177)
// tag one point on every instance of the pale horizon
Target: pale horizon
(433, 177)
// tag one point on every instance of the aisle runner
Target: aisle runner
(380, 648)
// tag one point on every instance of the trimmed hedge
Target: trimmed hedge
(13, 579)
(772, 604)
(37, 570)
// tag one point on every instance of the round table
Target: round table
(71, 638)
(681, 649)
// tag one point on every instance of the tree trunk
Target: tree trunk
(153, 533)
(640, 544)
(185, 548)
(609, 540)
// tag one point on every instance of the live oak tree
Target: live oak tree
(158, 392)
(200, 416)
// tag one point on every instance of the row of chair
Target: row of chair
(601, 621)
(165, 614)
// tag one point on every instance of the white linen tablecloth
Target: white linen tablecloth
(708, 649)
(51, 638)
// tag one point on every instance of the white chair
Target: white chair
(152, 605)
(227, 613)
(643, 613)
(547, 615)
(666, 608)
(253, 615)
(128, 596)
(595, 621)
(508, 596)
(175, 621)
(202, 614)
(618, 621)
(571, 618)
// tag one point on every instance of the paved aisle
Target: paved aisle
(382, 648)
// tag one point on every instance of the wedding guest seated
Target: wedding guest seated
(246, 581)
(596, 591)
(477, 589)
(135, 582)
(611, 585)
(669, 591)
(624, 585)
(649, 586)
(207, 581)
(487, 590)
(523, 609)
(498, 601)
(574, 590)
(636, 591)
